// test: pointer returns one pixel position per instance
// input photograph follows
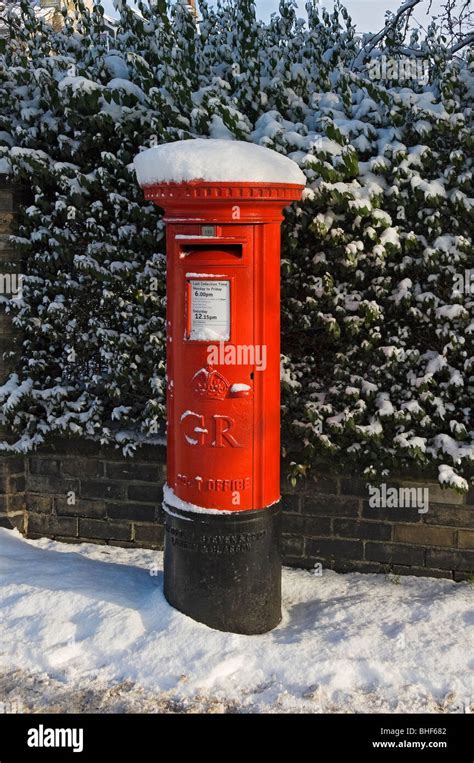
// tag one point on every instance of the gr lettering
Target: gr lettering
(211, 431)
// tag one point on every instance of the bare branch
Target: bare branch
(456, 22)
(462, 43)
(373, 41)
(404, 50)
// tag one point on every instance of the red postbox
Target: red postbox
(223, 376)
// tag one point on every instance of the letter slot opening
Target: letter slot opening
(217, 253)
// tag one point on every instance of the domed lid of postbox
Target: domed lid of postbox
(207, 177)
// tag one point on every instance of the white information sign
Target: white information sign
(210, 310)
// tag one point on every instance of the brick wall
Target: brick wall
(78, 492)
(12, 479)
(84, 493)
(329, 520)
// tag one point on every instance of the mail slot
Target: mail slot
(222, 559)
(216, 253)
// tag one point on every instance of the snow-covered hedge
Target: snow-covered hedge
(378, 367)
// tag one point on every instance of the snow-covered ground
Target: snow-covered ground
(86, 628)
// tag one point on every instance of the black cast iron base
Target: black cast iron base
(224, 570)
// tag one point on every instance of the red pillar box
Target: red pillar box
(223, 203)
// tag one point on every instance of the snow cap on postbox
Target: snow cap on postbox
(214, 180)
(215, 161)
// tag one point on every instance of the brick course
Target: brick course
(79, 491)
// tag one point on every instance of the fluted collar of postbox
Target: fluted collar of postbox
(218, 176)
